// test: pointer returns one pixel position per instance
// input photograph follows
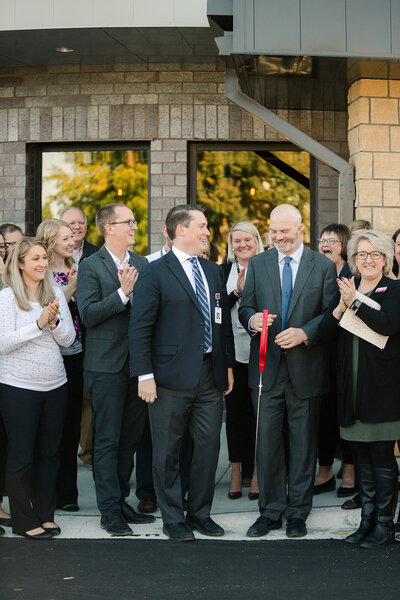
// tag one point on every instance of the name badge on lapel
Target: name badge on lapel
(218, 309)
(381, 289)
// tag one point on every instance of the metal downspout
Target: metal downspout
(346, 191)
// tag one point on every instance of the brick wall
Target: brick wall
(374, 143)
(163, 103)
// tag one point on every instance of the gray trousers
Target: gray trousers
(201, 409)
(302, 420)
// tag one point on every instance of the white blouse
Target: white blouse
(29, 357)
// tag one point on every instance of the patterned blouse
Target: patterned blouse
(62, 280)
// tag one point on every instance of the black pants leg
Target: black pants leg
(3, 459)
(118, 419)
(67, 489)
(34, 424)
(240, 421)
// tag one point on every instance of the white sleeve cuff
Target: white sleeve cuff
(124, 299)
(144, 377)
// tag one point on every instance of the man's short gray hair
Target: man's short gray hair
(62, 213)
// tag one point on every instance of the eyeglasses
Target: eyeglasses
(375, 255)
(128, 222)
(329, 241)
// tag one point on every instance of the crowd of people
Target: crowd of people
(111, 354)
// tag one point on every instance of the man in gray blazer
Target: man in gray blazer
(105, 283)
(296, 285)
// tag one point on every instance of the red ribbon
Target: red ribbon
(263, 342)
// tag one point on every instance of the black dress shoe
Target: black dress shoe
(37, 536)
(234, 495)
(114, 523)
(254, 495)
(344, 492)
(5, 522)
(54, 531)
(147, 505)
(68, 507)
(296, 528)
(352, 504)
(2, 532)
(262, 526)
(205, 526)
(327, 486)
(179, 532)
(131, 516)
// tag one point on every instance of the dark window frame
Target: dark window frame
(40, 148)
(195, 147)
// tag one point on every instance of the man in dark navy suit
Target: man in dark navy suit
(181, 347)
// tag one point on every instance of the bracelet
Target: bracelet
(237, 294)
(40, 328)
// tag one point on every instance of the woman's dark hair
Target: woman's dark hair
(395, 268)
(343, 233)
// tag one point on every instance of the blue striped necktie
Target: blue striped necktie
(286, 289)
(202, 298)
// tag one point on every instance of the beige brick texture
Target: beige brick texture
(166, 104)
(374, 143)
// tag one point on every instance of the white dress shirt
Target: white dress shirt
(119, 264)
(156, 255)
(77, 255)
(294, 263)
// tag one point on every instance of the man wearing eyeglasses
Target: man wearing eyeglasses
(105, 284)
(11, 233)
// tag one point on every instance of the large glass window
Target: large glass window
(245, 185)
(92, 177)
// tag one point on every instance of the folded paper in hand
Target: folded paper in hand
(355, 325)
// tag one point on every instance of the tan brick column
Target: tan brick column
(374, 144)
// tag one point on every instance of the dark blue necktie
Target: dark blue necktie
(286, 289)
(202, 298)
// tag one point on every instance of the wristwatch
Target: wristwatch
(356, 305)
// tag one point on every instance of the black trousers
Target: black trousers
(199, 408)
(380, 455)
(118, 420)
(240, 421)
(67, 489)
(144, 464)
(34, 424)
(328, 432)
(3, 459)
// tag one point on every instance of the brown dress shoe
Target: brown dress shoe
(147, 505)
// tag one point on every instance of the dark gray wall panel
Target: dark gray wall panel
(323, 26)
(395, 27)
(368, 27)
(277, 25)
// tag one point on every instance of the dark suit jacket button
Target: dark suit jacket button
(201, 324)
(201, 346)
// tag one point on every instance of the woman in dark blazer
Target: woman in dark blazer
(333, 244)
(243, 243)
(368, 383)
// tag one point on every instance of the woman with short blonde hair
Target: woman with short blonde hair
(34, 321)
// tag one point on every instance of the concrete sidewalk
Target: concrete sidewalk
(327, 519)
